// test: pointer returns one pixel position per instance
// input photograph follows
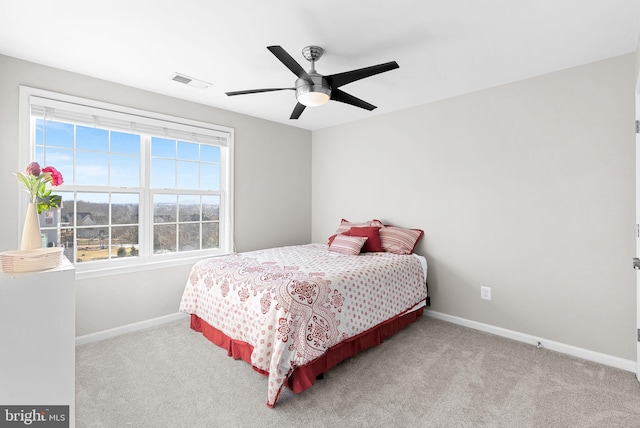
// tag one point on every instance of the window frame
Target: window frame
(148, 260)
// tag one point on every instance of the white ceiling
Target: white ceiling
(444, 47)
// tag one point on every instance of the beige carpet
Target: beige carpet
(433, 374)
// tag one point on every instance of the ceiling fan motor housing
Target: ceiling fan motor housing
(313, 93)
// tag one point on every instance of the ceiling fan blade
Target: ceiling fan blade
(339, 79)
(289, 62)
(343, 97)
(255, 91)
(297, 111)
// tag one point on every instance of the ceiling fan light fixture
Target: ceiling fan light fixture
(313, 99)
(312, 94)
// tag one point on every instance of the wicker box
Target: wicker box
(16, 261)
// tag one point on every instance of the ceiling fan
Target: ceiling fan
(312, 88)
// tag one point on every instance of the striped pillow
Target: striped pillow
(345, 225)
(398, 240)
(344, 244)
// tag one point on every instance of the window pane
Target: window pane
(57, 134)
(40, 156)
(67, 241)
(209, 153)
(125, 208)
(189, 208)
(124, 143)
(189, 236)
(163, 174)
(210, 208)
(91, 138)
(49, 228)
(165, 208)
(92, 209)
(39, 135)
(92, 169)
(60, 159)
(210, 235)
(162, 147)
(93, 243)
(187, 175)
(67, 209)
(209, 176)
(124, 241)
(164, 238)
(187, 151)
(125, 171)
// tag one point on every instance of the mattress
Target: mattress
(291, 305)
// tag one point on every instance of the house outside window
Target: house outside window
(139, 187)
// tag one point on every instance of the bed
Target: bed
(294, 312)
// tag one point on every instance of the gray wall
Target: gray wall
(267, 155)
(638, 59)
(527, 188)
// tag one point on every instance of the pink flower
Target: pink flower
(35, 182)
(56, 177)
(33, 169)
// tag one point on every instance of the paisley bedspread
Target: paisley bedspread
(292, 304)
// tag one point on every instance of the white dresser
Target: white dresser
(37, 338)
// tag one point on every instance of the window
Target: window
(138, 186)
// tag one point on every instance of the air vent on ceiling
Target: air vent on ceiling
(196, 83)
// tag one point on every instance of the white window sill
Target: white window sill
(97, 269)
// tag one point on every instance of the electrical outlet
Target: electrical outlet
(485, 293)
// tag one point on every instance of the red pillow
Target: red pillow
(373, 244)
(345, 225)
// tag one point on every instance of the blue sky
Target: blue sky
(112, 158)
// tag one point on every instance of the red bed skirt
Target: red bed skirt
(305, 376)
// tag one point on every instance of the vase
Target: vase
(31, 238)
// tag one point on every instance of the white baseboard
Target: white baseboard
(101, 335)
(585, 354)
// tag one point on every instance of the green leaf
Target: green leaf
(45, 177)
(25, 180)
